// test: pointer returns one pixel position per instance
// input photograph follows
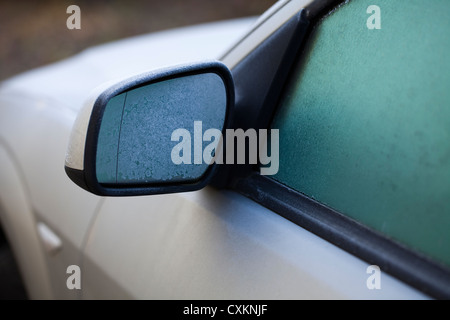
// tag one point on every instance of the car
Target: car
(349, 98)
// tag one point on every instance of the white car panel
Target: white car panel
(212, 244)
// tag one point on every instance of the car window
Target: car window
(365, 120)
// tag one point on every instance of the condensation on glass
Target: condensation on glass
(365, 121)
(134, 143)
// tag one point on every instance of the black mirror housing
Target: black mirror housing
(126, 139)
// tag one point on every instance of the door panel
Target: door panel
(211, 244)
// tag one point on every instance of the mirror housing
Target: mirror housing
(126, 139)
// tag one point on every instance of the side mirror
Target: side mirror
(134, 137)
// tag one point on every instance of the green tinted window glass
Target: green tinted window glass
(365, 120)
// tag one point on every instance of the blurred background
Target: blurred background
(34, 33)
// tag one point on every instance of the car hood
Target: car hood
(69, 82)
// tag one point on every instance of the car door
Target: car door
(362, 181)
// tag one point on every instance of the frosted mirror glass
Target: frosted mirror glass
(136, 142)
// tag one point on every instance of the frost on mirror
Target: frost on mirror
(134, 142)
